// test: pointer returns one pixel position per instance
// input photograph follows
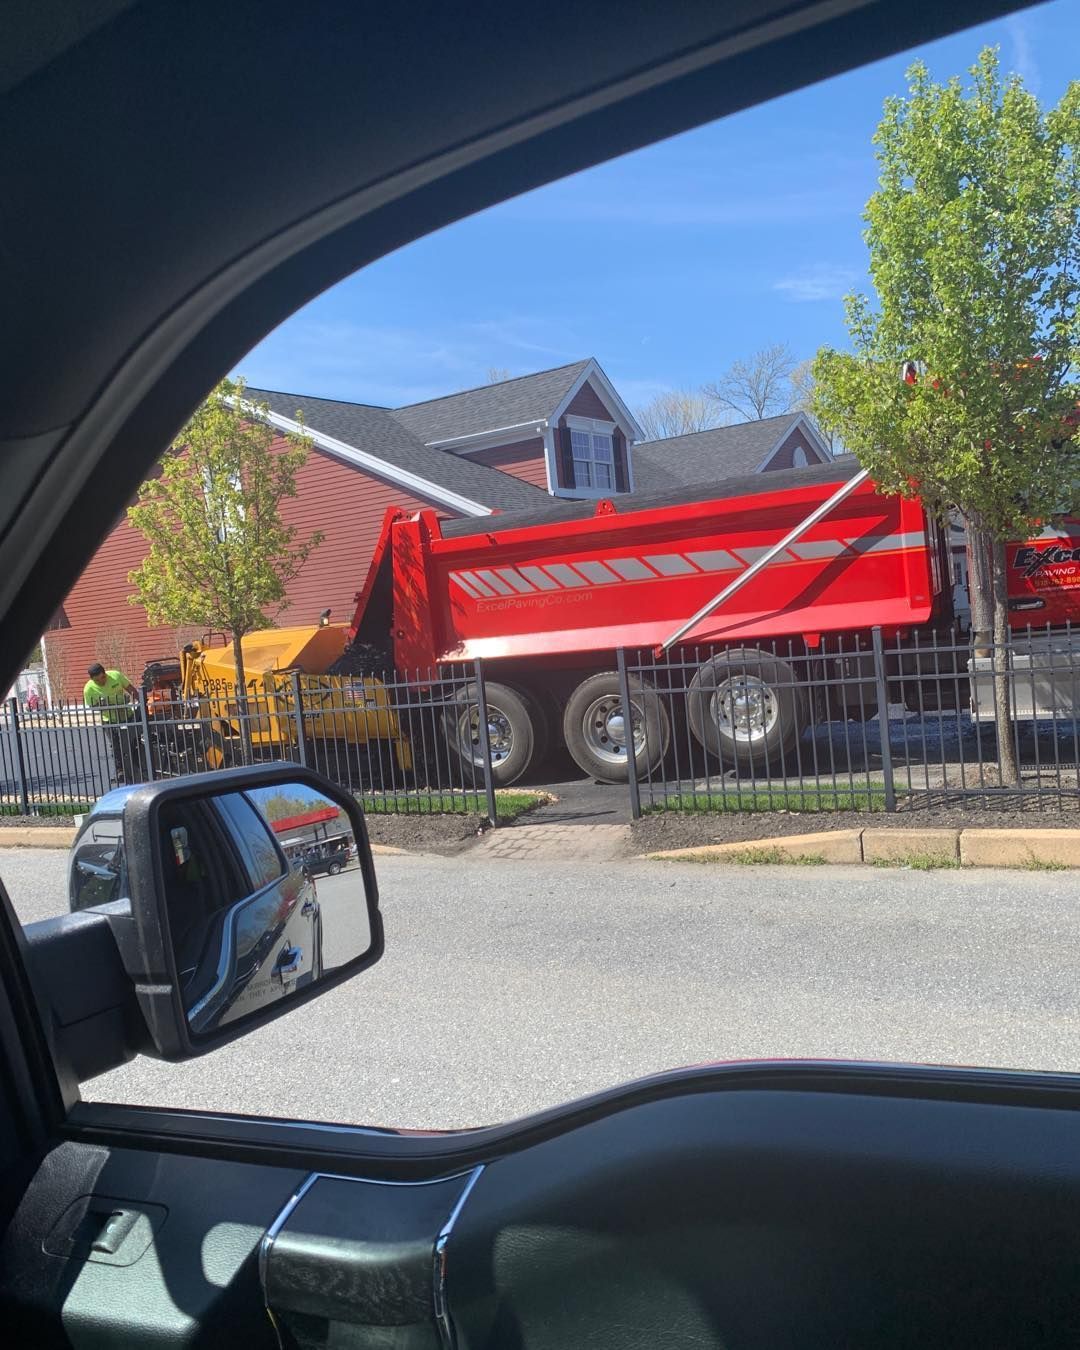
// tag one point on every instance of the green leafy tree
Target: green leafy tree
(974, 242)
(221, 556)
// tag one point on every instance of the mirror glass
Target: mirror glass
(264, 895)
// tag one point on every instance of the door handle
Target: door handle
(288, 963)
(309, 907)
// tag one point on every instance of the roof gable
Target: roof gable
(508, 405)
(707, 456)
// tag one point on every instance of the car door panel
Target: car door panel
(882, 1214)
(197, 1282)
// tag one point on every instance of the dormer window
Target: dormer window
(594, 456)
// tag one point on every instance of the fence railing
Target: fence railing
(859, 723)
(856, 723)
(402, 745)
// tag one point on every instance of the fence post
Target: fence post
(20, 760)
(144, 722)
(298, 705)
(883, 720)
(485, 744)
(628, 724)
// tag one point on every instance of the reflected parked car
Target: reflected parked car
(221, 867)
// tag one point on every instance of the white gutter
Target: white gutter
(423, 487)
(537, 423)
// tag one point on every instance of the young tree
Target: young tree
(676, 412)
(220, 554)
(974, 241)
(760, 387)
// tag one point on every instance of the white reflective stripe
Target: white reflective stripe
(495, 582)
(565, 576)
(511, 577)
(669, 564)
(539, 578)
(714, 560)
(866, 543)
(751, 553)
(471, 579)
(472, 591)
(596, 571)
(805, 550)
(631, 569)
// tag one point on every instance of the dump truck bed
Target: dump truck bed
(583, 577)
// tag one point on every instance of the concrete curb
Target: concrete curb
(931, 847)
(63, 836)
(37, 836)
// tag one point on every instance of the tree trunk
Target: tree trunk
(1007, 765)
(980, 583)
(242, 699)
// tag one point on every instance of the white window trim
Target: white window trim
(624, 419)
(593, 426)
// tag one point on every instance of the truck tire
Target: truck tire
(746, 707)
(595, 729)
(541, 721)
(510, 733)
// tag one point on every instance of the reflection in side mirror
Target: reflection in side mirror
(263, 896)
(251, 890)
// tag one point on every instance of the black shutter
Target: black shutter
(566, 455)
(618, 444)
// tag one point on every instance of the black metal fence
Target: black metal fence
(858, 724)
(401, 745)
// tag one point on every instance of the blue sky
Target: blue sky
(666, 265)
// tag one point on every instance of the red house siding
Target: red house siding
(587, 403)
(347, 504)
(523, 459)
(785, 455)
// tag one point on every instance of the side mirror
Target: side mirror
(251, 891)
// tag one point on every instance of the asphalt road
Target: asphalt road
(510, 986)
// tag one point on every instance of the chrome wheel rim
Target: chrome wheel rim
(500, 735)
(744, 708)
(603, 727)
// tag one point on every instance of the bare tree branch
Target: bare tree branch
(676, 412)
(759, 387)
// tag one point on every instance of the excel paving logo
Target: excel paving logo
(1030, 562)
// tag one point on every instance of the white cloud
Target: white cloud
(1023, 62)
(391, 366)
(818, 281)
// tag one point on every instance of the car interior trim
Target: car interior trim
(443, 1317)
(440, 1241)
(429, 1153)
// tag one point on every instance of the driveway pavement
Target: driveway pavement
(509, 986)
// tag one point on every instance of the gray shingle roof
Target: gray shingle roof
(707, 456)
(506, 404)
(376, 431)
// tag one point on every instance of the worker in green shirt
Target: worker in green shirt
(111, 692)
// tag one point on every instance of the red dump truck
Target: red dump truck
(809, 560)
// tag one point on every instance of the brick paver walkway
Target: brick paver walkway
(595, 843)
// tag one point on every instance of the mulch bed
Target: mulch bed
(426, 834)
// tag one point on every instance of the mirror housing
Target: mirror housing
(143, 931)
